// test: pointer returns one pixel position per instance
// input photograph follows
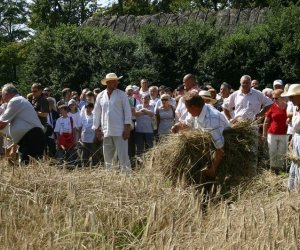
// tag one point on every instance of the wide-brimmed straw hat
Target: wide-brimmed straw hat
(207, 96)
(110, 77)
(294, 89)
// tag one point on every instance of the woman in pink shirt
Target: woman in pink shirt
(275, 129)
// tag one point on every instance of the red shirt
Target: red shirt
(278, 119)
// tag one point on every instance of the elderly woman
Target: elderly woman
(294, 94)
(165, 116)
(275, 129)
(143, 125)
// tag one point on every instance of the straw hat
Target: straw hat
(207, 96)
(110, 77)
(294, 89)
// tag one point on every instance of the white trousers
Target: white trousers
(116, 144)
(278, 146)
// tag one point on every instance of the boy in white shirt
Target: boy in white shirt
(90, 147)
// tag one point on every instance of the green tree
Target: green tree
(13, 18)
(51, 13)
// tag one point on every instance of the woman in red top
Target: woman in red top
(274, 129)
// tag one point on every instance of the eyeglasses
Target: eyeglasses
(164, 100)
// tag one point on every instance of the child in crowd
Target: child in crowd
(90, 146)
(64, 129)
(74, 113)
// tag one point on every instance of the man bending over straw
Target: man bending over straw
(205, 118)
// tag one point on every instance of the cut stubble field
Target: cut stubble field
(43, 207)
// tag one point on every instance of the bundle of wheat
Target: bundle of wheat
(184, 155)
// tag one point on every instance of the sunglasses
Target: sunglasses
(164, 100)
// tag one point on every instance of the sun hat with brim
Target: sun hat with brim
(294, 89)
(207, 96)
(110, 77)
(129, 87)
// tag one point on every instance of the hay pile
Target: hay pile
(184, 155)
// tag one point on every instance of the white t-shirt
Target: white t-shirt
(76, 119)
(87, 133)
(63, 125)
(21, 117)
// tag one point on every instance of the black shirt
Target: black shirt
(41, 104)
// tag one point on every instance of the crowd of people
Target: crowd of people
(116, 127)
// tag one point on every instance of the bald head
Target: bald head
(189, 81)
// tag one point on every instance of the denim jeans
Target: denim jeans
(143, 142)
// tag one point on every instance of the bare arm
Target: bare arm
(266, 126)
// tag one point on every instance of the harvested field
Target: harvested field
(42, 207)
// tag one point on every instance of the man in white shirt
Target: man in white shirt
(144, 90)
(206, 118)
(190, 84)
(153, 91)
(247, 103)
(24, 125)
(112, 119)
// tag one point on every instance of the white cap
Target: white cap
(277, 82)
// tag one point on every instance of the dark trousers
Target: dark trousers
(93, 151)
(32, 144)
(131, 144)
(50, 147)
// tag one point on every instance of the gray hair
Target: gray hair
(246, 77)
(226, 85)
(153, 87)
(9, 88)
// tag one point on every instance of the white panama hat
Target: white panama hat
(109, 77)
(206, 95)
(294, 89)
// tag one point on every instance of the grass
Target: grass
(42, 207)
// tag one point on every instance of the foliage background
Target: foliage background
(70, 55)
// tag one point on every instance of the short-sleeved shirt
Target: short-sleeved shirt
(41, 104)
(63, 125)
(21, 117)
(143, 123)
(211, 121)
(278, 119)
(166, 120)
(76, 118)
(87, 133)
(246, 106)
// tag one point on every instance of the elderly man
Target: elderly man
(190, 84)
(206, 118)
(247, 103)
(224, 94)
(112, 119)
(25, 127)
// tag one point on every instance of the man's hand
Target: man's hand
(126, 132)
(233, 120)
(99, 134)
(177, 127)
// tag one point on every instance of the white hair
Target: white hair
(267, 91)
